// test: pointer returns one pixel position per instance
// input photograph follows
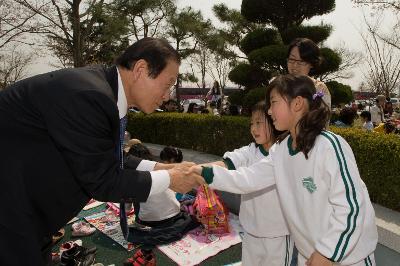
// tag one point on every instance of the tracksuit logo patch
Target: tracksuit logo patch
(308, 183)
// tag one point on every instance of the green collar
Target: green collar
(289, 144)
(263, 150)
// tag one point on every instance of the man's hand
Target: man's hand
(317, 259)
(196, 169)
(183, 180)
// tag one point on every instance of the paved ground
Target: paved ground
(383, 255)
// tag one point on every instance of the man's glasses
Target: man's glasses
(297, 62)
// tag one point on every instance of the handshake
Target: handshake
(183, 176)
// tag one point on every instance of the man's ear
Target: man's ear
(139, 69)
(298, 103)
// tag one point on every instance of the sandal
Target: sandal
(70, 244)
(57, 236)
(141, 259)
(82, 229)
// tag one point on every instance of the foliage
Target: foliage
(376, 154)
(147, 18)
(340, 93)
(258, 39)
(249, 76)
(279, 23)
(271, 57)
(237, 97)
(284, 14)
(77, 32)
(330, 61)
(253, 97)
(208, 133)
(317, 33)
(235, 25)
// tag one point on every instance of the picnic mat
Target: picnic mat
(196, 246)
(92, 204)
(108, 223)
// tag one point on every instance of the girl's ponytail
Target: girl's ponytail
(312, 123)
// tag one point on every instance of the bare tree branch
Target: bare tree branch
(13, 65)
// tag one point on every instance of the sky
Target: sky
(346, 19)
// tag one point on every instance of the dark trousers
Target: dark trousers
(23, 248)
(162, 232)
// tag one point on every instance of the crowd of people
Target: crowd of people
(378, 117)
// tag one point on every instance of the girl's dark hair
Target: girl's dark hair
(366, 114)
(314, 121)
(171, 154)
(347, 115)
(156, 52)
(262, 108)
(191, 107)
(141, 151)
(309, 52)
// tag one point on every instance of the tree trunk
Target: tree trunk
(178, 80)
(76, 32)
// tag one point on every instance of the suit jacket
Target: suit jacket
(59, 135)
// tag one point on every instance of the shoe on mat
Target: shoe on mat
(57, 236)
(141, 259)
(78, 256)
(70, 244)
(82, 229)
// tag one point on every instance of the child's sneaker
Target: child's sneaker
(82, 229)
(141, 259)
(78, 256)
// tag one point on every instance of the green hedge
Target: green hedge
(200, 132)
(377, 155)
(378, 160)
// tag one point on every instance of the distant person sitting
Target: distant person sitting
(192, 108)
(388, 108)
(366, 117)
(159, 220)
(346, 117)
(171, 106)
(171, 155)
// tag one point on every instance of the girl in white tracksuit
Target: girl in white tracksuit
(266, 239)
(325, 202)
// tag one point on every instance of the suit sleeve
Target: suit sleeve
(245, 179)
(84, 127)
(347, 200)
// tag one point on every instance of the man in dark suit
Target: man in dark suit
(60, 140)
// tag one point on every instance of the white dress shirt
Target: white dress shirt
(160, 178)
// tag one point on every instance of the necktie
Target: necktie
(123, 221)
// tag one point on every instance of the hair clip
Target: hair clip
(318, 94)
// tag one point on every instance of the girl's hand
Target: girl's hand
(317, 259)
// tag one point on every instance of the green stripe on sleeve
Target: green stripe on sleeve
(354, 195)
(208, 174)
(345, 182)
(229, 164)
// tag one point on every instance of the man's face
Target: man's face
(149, 93)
